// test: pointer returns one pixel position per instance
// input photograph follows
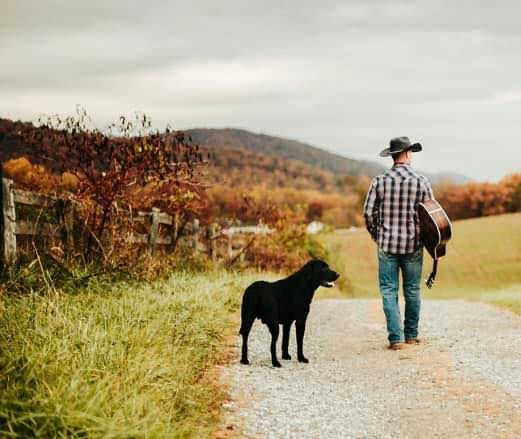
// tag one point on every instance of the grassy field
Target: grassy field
(130, 361)
(136, 359)
(483, 262)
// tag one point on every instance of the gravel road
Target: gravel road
(463, 381)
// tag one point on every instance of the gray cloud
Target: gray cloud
(344, 75)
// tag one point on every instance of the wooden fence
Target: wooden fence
(63, 231)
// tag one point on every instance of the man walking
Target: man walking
(391, 219)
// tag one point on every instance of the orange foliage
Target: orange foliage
(334, 208)
(481, 199)
(512, 183)
(36, 178)
(288, 246)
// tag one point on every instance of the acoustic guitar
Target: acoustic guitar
(435, 232)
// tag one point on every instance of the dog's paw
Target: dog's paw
(244, 361)
(303, 360)
(276, 364)
(286, 357)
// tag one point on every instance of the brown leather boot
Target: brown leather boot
(412, 341)
(397, 345)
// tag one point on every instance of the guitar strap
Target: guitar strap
(432, 276)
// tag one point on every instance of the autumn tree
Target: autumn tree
(109, 165)
(481, 199)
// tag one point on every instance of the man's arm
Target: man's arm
(371, 205)
(427, 190)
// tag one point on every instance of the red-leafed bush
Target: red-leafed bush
(128, 166)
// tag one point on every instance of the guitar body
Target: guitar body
(435, 232)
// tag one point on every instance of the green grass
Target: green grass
(130, 361)
(483, 262)
(136, 359)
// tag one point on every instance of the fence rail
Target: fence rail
(11, 227)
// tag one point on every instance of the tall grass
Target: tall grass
(483, 262)
(129, 360)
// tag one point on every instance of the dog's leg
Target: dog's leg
(301, 328)
(274, 330)
(285, 341)
(245, 331)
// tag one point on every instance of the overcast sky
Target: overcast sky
(342, 75)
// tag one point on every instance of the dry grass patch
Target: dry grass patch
(483, 262)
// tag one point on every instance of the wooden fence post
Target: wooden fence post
(9, 223)
(230, 246)
(213, 243)
(68, 220)
(175, 230)
(195, 235)
(154, 230)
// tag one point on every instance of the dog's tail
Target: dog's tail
(248, 308)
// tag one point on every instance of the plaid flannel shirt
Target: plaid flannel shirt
(390, 209)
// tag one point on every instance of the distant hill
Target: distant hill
(280, 147)
(219, 139)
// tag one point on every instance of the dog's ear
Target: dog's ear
(310, 270)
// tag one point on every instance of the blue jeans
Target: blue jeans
(389, 266)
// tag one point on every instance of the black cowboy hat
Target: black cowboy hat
(399, 144)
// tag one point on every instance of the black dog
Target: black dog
(283, 302)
